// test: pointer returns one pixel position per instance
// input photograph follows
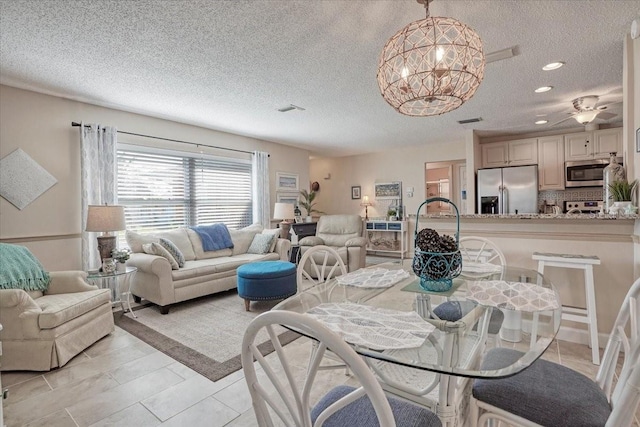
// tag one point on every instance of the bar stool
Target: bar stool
(575, 314)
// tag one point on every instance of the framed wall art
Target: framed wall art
(288, 198)
(355, 192)
(638, 140)
(286, 181)
(388, 190)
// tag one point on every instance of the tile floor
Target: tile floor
(120, 380)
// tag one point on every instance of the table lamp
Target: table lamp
(105, 219)
(366, 203)
(284, 211)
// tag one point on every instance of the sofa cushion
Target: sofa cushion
(136, 240)
(157, 249)
(198, 250)
(180, 238)
(276, 233)
(335, 230)
(261, 244)
(61, 308)
(242, 238)
(173, 250)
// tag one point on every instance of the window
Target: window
(163, 189)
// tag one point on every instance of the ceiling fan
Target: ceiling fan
(587, 110)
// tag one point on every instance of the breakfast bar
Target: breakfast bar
(613, 239)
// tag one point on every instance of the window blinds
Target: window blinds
(164, 190)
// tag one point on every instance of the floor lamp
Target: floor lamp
(285, 212)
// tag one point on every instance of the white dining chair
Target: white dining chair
(281, 393)
(480, 258)
(461, 345)
(547, 393)
(319, 264)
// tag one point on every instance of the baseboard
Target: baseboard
(580, 336)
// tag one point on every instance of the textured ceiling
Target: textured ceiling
(229, 65)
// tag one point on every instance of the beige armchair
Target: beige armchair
(342, 233)
(44, 330)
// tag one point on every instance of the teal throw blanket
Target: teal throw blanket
(19, 269)
(214, 237)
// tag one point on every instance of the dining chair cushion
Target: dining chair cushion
(361, 413)
(545, 392)
(453, 311)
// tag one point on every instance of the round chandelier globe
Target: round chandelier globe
(431, 66)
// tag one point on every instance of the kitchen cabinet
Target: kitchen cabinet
(593, 145)
(388, 237)
(510, 153)
(551, 163)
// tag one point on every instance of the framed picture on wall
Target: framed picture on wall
(388, 190)
(286, 181)
(355, 192)
(291, 198)
(638, 140)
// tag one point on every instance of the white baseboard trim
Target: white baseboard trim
(580, 336)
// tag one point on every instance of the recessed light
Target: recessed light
(543, 89)
(542, 122)
(553, 66)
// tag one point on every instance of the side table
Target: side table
(112, 281)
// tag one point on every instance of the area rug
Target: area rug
(204, 334)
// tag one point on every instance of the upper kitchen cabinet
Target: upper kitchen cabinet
(593, 145)
(510, 153)
(551, 163)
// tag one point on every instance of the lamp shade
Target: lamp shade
(105, 218)
(283, 211)
(365, 201)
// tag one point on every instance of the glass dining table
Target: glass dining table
(384, 313)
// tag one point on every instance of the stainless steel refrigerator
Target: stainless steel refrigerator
(512, 190)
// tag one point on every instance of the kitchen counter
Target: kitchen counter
(532, 216)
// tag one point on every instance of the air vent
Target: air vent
(289, 108)
(464, 122)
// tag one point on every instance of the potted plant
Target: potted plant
(308, 203)
(391, 213)
(622, 193)
(121, 256)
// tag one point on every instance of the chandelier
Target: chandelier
(431, 66)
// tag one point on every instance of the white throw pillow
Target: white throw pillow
(157, 249)
(275, 232)
(136, 240)
(242, 238)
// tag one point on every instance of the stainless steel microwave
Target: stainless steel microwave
(586, 173)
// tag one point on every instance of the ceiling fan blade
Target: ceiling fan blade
(606, 116)
(563, 120)
(611, 105)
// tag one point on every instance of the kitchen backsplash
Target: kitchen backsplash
(558, 197)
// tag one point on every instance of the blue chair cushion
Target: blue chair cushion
(267, 280)
(456, 310)
(361, 412)
(266, 269)
(545, 393)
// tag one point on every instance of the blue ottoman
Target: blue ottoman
(266, 280)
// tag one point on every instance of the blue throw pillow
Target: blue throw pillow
(261, 244)
(173, 250)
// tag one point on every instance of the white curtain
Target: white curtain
(98, 167)
(261, 198)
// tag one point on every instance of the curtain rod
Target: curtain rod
(76, 124)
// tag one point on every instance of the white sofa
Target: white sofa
(203, 273)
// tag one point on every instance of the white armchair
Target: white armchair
(44, 330)
(342, 233)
